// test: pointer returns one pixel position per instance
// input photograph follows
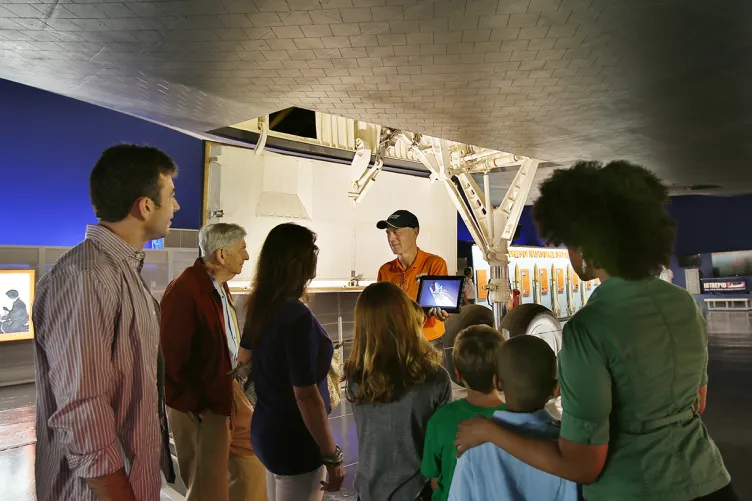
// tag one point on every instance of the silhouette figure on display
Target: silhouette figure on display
(16, 318)
(440, 295)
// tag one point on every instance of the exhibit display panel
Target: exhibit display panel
(260, 192)
(550, 263)
(16, 298)
(21, 267)
(160, 266)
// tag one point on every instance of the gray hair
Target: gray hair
(213, 237)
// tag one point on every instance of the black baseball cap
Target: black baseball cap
(400, 219)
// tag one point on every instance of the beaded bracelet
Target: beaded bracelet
(335, 460)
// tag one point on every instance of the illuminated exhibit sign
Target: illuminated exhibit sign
(731, 285)
(533, 252)
(16, 298)
(155, 244)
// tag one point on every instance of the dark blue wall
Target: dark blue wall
(528, 233)
(712, 224)
(48, 145)
(704, 224)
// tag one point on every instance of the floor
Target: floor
(727, 416)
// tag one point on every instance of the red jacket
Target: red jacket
(197, 359)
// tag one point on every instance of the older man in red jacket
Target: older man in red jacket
(209, 414)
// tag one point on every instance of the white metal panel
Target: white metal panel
(692, 276)
(335, 131)
(215, 183)
(335, 242)
(371, 250)
(155, 270)
(332, 214)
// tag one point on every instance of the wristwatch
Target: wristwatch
(335, 460)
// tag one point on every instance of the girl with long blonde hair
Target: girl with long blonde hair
(395, 381)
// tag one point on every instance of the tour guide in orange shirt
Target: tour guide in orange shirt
(402, 229)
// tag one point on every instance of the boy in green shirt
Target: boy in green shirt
(476, 351)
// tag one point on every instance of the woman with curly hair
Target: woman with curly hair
(633, 364)
(395, 381)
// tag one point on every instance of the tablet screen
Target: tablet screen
(440, 292)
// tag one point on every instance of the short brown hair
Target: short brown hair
(527, 372)
(124, 174)
(476, 352)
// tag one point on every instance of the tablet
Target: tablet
(441, 292)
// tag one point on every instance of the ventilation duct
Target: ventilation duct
(282, 184)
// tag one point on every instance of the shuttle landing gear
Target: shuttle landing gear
(533, 320)
(492, 228)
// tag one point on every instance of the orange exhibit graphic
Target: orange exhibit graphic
(525, 274)
(544, 280)
(560, 279)
(481, 279)
(575, 281)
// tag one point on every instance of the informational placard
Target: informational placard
(525, 282)
(724, 285)
(481, 281)
(16, 298)
(544, 280)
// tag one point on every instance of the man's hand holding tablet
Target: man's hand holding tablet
(439, 314)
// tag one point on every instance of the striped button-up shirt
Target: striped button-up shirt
(97, 349)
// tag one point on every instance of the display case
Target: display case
(17, 354)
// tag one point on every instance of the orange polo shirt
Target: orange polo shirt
(407, 280)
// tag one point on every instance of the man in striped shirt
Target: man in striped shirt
(100, 428)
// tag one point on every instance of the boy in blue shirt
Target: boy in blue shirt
(526, 372)
(476, 350)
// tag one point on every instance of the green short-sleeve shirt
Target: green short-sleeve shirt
(439, 453)
(631, 364)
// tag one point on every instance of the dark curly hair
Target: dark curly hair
(614, 214)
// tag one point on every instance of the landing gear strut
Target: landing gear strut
(492, 228)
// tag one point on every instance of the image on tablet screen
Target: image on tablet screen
(440, 294)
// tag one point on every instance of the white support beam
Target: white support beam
(492, 228)
(263, 125)
(368, 182)
(467, 215)
(475, 208)
(362, 158)
(516, 196)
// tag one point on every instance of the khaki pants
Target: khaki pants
(215, 456)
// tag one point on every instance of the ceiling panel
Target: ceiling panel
(663, 83)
